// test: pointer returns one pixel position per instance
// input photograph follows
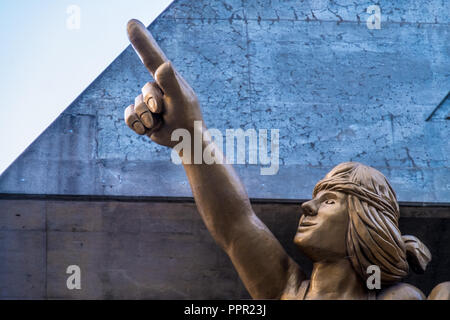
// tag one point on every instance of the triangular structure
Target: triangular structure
(336, 91)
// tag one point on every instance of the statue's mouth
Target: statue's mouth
(305, 224)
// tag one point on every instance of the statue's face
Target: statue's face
(322, 230)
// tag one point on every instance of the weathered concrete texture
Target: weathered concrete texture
(403, 11)
(336, 90)
(442, 110)
(22, 249)
(153, 250)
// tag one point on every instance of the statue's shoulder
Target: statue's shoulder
(401, 291)
(440, 292)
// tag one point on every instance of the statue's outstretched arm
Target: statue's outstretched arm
(170, 104)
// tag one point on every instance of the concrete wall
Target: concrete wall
(153, 250)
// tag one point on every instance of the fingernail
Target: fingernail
(152, 105)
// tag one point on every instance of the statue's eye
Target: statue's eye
(329, 201)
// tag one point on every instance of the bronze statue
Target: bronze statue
(350, 224)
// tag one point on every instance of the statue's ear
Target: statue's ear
(417, 254)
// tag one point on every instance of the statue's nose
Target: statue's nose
(309, 208)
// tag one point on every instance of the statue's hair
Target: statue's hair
(373, 236)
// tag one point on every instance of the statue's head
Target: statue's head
(354, 213)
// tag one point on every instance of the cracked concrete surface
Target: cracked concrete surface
(336, 90)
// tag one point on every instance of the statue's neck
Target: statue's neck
(335, 280)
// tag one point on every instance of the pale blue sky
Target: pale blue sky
(45, 65)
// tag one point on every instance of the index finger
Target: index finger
(145, 45)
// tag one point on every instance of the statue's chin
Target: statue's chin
(302, 244)
(315, 253)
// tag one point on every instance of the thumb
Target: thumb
(167, 80)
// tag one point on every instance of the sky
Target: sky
(50, 52)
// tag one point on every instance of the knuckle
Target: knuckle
(138, 100)
(141, 108)
(130, 121)
(138, 127)
(147, 87)
(147, 120)
(128, 118)
(127, 111)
